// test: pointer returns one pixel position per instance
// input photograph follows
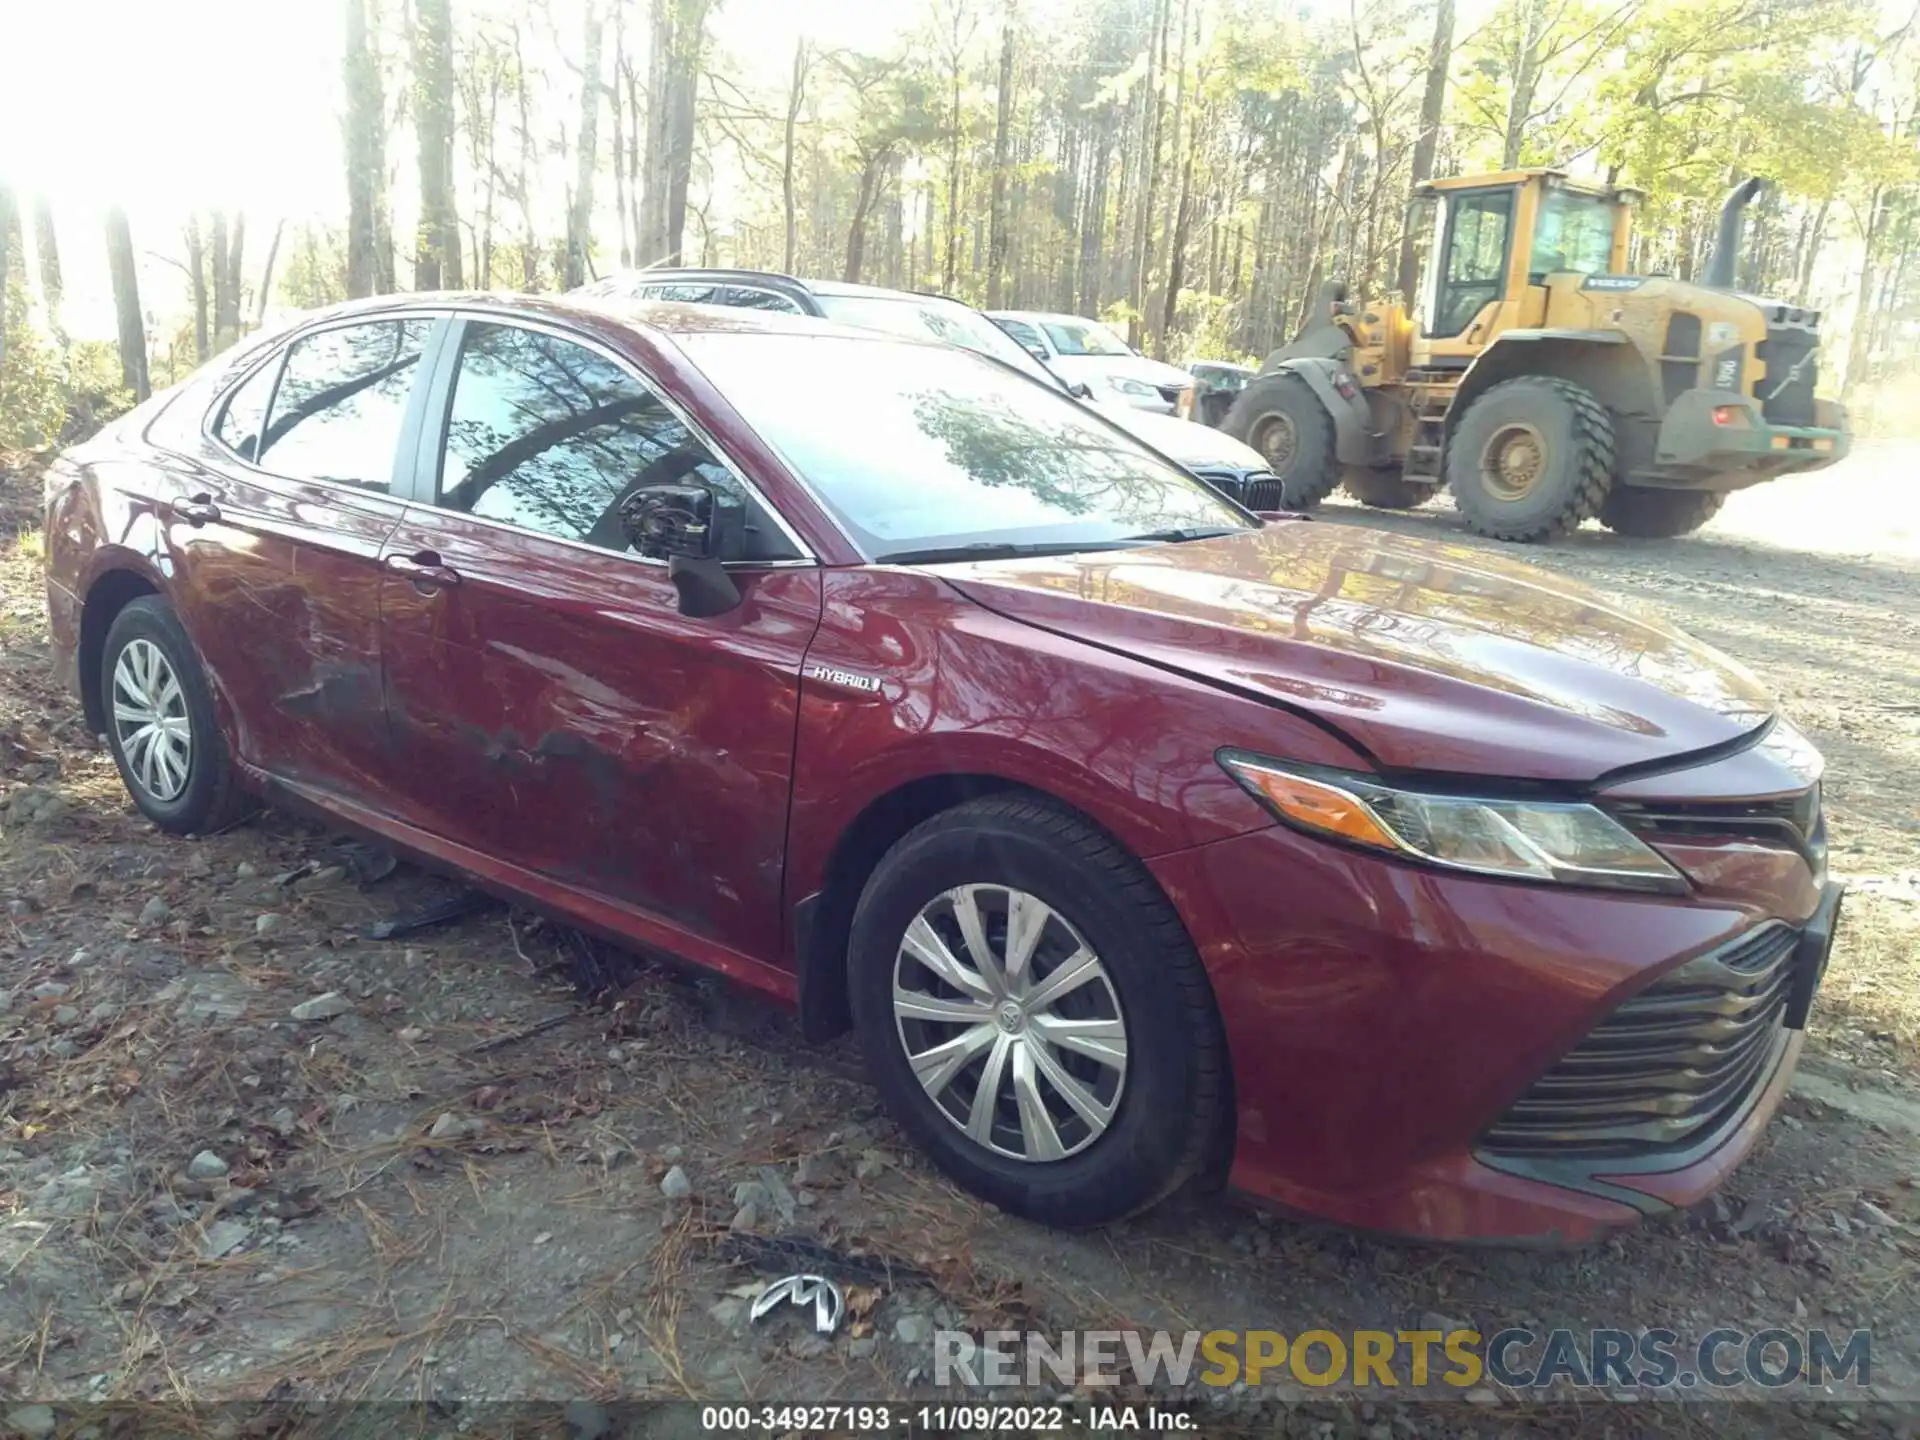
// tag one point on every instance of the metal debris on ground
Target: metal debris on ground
(456, 906)
(829, 1304)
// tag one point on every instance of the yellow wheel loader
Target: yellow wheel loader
(1541, 384)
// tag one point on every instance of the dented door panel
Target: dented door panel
(550, 705)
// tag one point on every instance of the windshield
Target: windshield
(1575, 233)
(950, 451)
(923, 317)
(1083, 337)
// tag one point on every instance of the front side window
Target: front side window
(341, 401)
(1083, 337)
(952, 451)
(551, 436)
(1574, 233)
(1473, 269)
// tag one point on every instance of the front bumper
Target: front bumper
(1741, 447)
(1381, 1018)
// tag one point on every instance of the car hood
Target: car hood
(1429, 656)
(1182, 440)
(1132, 367)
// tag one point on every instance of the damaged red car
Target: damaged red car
(1136, 836)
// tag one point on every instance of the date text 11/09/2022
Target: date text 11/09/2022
(878, 1419)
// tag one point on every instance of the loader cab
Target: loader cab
(1497, 238)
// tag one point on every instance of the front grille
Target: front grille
(1786, 392)
(1255, 489)
(1796, 821)
(1668, 1067)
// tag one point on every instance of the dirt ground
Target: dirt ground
(461, 1187)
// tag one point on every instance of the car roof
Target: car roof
(666, 318)
(1050, 317)
(771, 279)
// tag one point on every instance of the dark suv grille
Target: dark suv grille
(1255, 489)
(1786, 391)
(1171, 393)
(1668, 1067)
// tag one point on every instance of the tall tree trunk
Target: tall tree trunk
(52, 286)
(1858, 349)
(1525, 81)
(1432, 106)
(483, 251)
(1804, 286)
(580, 218)
(997, 236)
(634, 130)
(951, 269)
(871, 171)
(366, 151)
(9, 220)
(197, 284)
(529, 236)
(126, 305)
(795, 89)
(265, 296)
(436, 245)
(1177, 241)
(1093, 221)
(619, 132)
(1150, 156)
(236, 250)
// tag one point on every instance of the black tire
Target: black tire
(1648, 514)
(1384, 490)
(1174, 1101)
(210, 798)
(1281, 417)
(1568, 483)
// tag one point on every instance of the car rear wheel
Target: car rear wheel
(1281, 417)
(1648, 514)
(161, 725)
(1034, 1014)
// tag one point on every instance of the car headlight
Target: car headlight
(1559, 842)
(1129, 386)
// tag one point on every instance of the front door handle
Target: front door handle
(200, 510)
(425, 569)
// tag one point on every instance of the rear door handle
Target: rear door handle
(425, 569)
(200, 510)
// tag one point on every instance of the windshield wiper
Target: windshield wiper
(1190, 532)
(992, 550)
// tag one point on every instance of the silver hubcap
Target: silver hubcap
(150, 720)
(1010, 1022)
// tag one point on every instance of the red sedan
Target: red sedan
(1136, 836)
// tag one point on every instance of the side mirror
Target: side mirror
(1080, 390)
(689, 528)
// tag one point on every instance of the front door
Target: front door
(553, 707)
(275, 530)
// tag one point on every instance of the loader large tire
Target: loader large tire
(1531, 459)
(1648, 514)
(1281, 417)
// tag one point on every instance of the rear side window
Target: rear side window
(246, 412)
(552, 437)
(341, 402)
(749, 297)
(1026, 334)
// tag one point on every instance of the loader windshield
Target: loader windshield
(1574, 233)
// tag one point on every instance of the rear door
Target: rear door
(276, 534)
(552, 707)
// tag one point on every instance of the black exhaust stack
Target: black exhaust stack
(1726, 242)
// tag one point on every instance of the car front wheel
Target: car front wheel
(1035, 1015)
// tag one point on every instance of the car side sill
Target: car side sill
(622, 924)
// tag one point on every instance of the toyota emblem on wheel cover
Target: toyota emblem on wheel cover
(828, 1303)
